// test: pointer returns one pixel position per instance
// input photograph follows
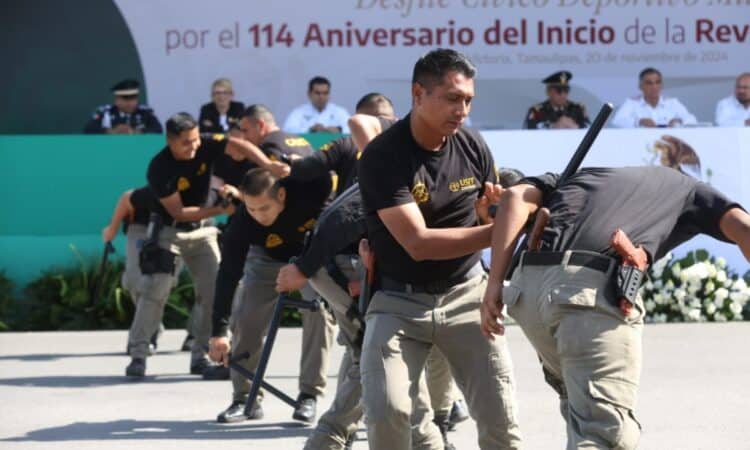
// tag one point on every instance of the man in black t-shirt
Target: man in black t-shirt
(179, 177)
(421, 182)
(263, 235)
(564, 296)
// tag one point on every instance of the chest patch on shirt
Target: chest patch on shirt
(183, 184)
(420, 193)
(462, 184)
(306, 226)
(273, 240)
(202, 169)
(296, 142)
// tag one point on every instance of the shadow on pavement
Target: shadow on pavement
(58, 356)
(157, 429)
(80, 381)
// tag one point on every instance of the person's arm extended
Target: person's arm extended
(406, 223)
(735, 224)
(180, 213)
(122, 210)
(514, 209)
(364, 128)
(256, 155)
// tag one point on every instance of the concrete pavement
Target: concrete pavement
(66, 390)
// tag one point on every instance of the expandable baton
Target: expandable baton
(533, 239)
(97, 287)
(257, 378)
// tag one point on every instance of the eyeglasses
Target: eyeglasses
(222, 93)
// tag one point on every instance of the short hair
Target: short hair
(180, 122)
(317, 80)
(430, 68)
(371, 102)
(259, 181)
(508, 177)
(222, 82)
(259, 112)
(648, 71)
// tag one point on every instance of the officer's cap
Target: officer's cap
(561, 78)
(126, 88)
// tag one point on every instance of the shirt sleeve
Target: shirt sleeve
(161, 182)
(235, 245)
(683, 114)
(343, 120)
(384, 179)
(626, 116)
(152, 124)
(546, 183)
(293, 123)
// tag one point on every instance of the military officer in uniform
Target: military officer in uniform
(126, 115)
(557, 111)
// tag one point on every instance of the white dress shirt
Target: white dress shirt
(731, 113)
(635, 109)
(305, 116)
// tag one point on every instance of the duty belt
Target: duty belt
(432, 287)
(600, 263)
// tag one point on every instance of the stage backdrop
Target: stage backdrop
(270, 49)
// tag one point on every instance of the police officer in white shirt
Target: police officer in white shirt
(651, 109)
(319, 115)
(734, 111)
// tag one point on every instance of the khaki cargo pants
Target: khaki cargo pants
(591, 353)
(401, 329)
(252, 319)
(342, 418)
(199, 251)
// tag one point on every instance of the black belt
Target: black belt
(595, 262)
(431, 287)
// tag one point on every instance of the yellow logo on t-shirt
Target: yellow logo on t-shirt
(273, 240)
(202, 169)
(462, 184)
(326, 147)
(309, 225)
(296, 142)
(218, 137)
(420, 193)
(183, 184)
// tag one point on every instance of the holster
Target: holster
(152, 258)
(632, 271)
(628, 281)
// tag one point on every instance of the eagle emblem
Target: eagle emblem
(420, 193)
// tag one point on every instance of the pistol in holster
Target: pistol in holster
(152, 258)
(632, 272)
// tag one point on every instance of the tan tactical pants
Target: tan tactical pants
(253, 318)
(400, 332)
(199, 251)
(591, 353)
(342, 418)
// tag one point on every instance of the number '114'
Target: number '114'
(264, 36)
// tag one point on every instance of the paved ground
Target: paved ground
(65, 390)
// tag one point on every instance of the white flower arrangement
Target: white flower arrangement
(697, 288)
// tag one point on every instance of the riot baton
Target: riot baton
(257, 380)
(235, 365)
(95, 291)
(532, 241)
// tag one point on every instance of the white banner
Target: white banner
(724, 156)
(271, 49)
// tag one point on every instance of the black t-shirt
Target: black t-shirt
(281, 240)
(190, 178)
(339, 156)
(657, 207)
(395, 170)
(231, 171)
(277, 144)
(143, 201)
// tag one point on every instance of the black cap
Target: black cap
(561, 78)
(126, 88)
